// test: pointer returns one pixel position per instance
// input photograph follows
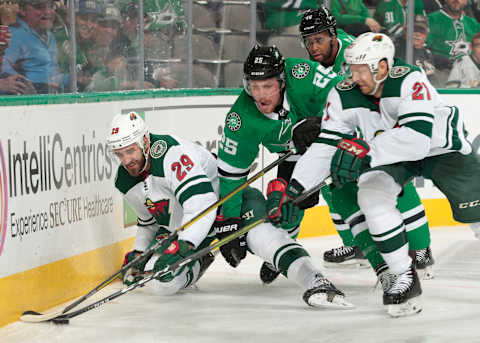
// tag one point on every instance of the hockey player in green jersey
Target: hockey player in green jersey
(278, 95)
(326, 44)
(409, 132)
(168, 181)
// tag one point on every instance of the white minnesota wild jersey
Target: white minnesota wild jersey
(182, 182)
(409, 122)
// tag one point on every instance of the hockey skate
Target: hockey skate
(345, 257)
(403, 297)
(324, 294)
(268, 273)
(424, 263)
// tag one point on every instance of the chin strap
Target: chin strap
(377, 82)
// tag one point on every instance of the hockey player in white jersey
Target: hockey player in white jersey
(410, 132)
(167, 181)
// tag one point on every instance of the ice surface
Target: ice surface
(231, 305)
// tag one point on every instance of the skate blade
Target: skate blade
(321, 300)
(410, 307)
(349, 264)
(426, 273)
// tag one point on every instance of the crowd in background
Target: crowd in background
(36, 40)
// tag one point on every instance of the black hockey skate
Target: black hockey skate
(403, 297)
(424, 263)
(268, 273)
(325, 294)
(345, 257)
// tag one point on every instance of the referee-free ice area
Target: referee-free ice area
(231, 305)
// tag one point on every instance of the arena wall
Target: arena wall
(63, 227)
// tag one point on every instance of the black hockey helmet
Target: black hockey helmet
(318, 20)
(264, 62)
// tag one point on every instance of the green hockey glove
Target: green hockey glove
(283, 213)
(350, 161)
(176, 251)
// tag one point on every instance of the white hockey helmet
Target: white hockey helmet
(370, 48)
(126, 129)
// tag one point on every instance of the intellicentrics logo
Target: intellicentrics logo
(3, 198)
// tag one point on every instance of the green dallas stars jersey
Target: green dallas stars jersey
(413, 120)
(284, 13)
(246, 128)
(449, 37)
(392, 14)
(182, 182)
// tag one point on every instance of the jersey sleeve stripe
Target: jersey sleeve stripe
(142, 222)
(199, 188)
(179, 188)
(415, 116)
(453, 141)
(421, 126)
(229, 175)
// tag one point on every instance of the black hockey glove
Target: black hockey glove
(305, 132)
(236, 250)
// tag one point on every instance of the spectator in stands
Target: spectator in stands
(11, 84)
(285, 15)
(466, 70)
(391, 15)
(450, 32)
(353, 17)
(86, 26)
(33, 49)
(108, 57)
(8, 12)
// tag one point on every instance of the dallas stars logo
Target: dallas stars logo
(301, 70)
(458, 46)
(234, 122)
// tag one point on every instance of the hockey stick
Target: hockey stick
(63, 318)
(170, 237)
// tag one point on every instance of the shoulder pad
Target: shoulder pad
(398, 71)
(301, 70)
(233, 121)
(158, 148)
(345, 85)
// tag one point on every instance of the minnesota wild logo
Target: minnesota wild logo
(345, 85)
(234, 122)
(159, 210)
(299, 71)
(399, 71)
(158, 149)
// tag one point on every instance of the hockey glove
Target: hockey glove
(305, 132)
(350, 161)
(280, 212)
(176, 251)
(236, 250)
(134, 273)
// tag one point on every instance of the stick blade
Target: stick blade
(36, 317)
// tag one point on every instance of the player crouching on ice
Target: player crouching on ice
(168, 181)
